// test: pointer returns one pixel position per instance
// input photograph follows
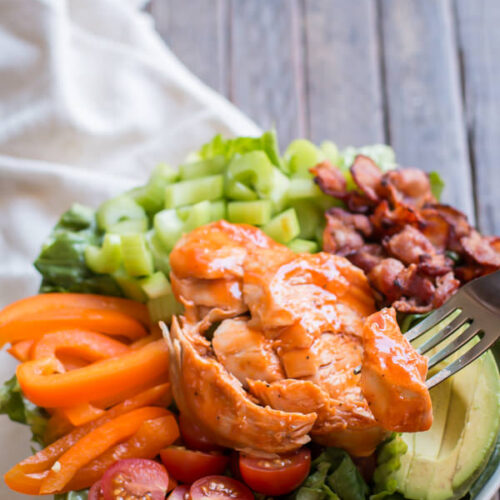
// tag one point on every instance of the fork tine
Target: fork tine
(448, 330)
(453, 346)
(431, 320)
(472, 354)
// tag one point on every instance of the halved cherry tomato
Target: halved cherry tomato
(135, 478)
(95, 493)
(276, 476)
(181, 492)
(219, 488)
(187, 465)
(193, 436)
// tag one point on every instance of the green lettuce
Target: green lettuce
(437, 184)
(62, 262)
(73, 495)
(19, 409)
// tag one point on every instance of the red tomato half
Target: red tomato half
(181, 492)
(95, 493)
(193, 436)
(276, 476)
(135, 478)
(219, 488)
(187, 465)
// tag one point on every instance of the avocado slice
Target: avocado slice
(442, 463)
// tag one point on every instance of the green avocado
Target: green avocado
(443, 462)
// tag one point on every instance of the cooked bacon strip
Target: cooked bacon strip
(434, 265)
(434, 227)
(339, 237)
(458, 226)
(330, 179)
(409, 245)
(386, 221)
(383, 277)
(409, 186)
(368, 256)
(483, 250)
(367, 176)
(447, 285)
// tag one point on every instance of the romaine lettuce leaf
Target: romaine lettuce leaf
(19, 409)
(437, 184)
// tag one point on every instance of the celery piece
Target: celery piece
(137, 258)
(129, 226)
(301, 155)
(299, 245)
(168, 227)
(130, 287)
(238, 191)
(302, 188)
(218, 210)
(195, 216)
(163, 308)
(118, 209)
(194, 190)
(310, 218)
(331, 151)
(160, 255)
(107, 259)
(156, 285)
(249, 212)
(284, 227)
(279, 193)
(203, 168)
(254, 170)
(152, 196)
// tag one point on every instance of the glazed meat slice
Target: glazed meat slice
(393, 376)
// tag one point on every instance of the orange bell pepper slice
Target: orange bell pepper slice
(99, 380)
(152, 436)
(81, 414)
(99, 320)
(79, 343)
(55, 302)
(94, 444)
(21, 350)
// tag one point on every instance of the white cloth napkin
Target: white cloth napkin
(91, 100)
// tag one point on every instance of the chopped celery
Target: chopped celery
(160, 255)
(156, 285)
(203, 168)
(310, 218)
(279, 193)
(129, 226)
(302, 188)
(152, 196)
(284, 227)
(238, 191)
(299, 245)
(107, 259)
(218, 210)
(121, 208)
(196, 215)
(137, 258)
(254, 170)
(331, 151)
(163, 308)
(249, 212)
(194, 190)
(130, 287)
(301, 155)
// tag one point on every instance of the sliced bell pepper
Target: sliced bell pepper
(59, 301)
(99, 380)
(98, 320)
(21, 350)
(84, 344)
(94, 444)
(81, 414)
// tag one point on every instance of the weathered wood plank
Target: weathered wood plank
(426, 121)
(266, 64)
(479, 40)
(343, 72)
(196, 32)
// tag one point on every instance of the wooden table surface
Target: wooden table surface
(421, 75)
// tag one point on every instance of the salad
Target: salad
(232, 329)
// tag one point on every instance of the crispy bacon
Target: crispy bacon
(393, 228)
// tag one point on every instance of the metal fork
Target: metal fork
(479, 305)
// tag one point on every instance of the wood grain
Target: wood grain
(266, 64)
(196, 32)
(343, 72)
(479, 40)
(426, 120)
